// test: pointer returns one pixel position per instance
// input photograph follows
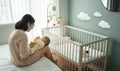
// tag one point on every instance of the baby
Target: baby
(39, 43)
(46, 40)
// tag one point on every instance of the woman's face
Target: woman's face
(30, 26)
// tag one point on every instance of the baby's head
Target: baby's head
(46, 40)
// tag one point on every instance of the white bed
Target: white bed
(44, 64)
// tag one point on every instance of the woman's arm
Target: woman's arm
(23, 49)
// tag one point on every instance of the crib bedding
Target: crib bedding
(44, 64)
(71, 52)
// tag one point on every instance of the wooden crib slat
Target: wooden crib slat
(80, 58)
(106, 51)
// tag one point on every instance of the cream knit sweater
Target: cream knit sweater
(21, 55)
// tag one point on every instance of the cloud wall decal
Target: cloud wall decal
(83, 16)
(103, 24)
(97, 14)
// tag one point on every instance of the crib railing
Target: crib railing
(76, 49)
(79, 35)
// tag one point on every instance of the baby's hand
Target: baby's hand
(32, 44)
(36, 39)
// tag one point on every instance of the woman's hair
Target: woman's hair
(22, 24)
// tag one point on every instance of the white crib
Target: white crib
(77, 49)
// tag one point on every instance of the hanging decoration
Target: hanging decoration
(52, 17)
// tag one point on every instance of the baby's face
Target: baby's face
(45, 40)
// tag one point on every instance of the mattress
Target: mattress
(44, 64)
(71, 52)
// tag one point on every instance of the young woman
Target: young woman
(18, 43)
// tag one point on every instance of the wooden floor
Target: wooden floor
(66, 65)
(94, 67)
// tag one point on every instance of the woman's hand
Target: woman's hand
(32, 44)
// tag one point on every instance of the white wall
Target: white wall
(5, 30)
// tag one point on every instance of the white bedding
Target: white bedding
(44, 64)
(71, 52)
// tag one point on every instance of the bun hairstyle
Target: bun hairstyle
(22, 24)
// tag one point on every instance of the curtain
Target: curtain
(12, 11)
